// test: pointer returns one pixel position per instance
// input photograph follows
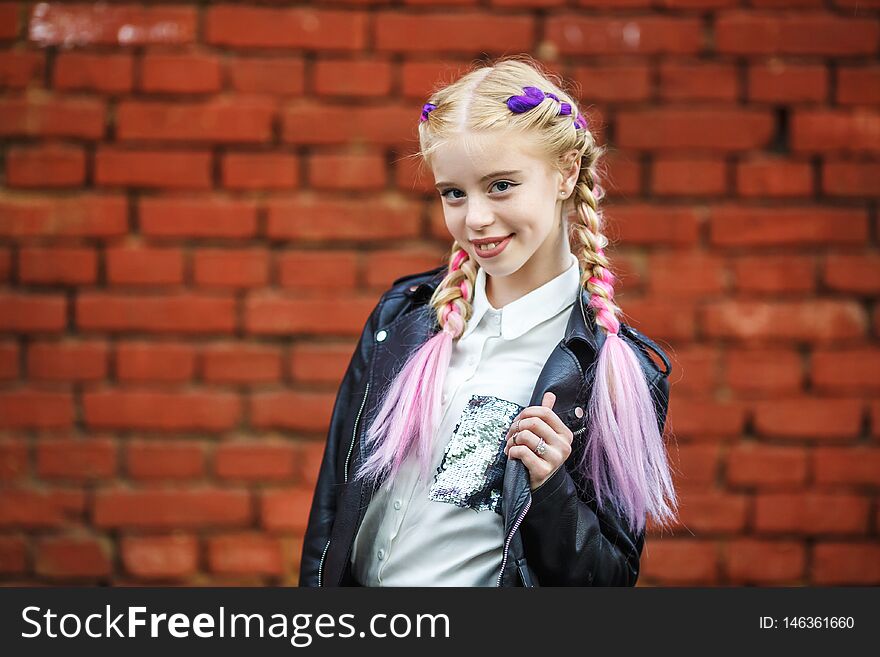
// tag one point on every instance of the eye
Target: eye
(444, 193)
(508, 184)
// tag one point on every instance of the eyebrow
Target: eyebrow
(512, 172)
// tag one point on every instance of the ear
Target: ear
(571, 168)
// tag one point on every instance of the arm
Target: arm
(569, 542)
(323, 510)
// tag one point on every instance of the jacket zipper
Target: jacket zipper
(345, 477)
(510, 536)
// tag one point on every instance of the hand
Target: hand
(536, 422)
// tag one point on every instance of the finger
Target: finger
(553, 454)
(549, 399)
(550, 417)
(537, 466)
(539, 428)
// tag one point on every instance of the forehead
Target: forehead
(470, 155)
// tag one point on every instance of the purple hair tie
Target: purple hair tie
(426, 109)
(534, 97)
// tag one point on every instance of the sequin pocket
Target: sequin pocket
(471, 472)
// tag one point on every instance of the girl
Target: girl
(498, 424)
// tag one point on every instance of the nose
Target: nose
(479, 215)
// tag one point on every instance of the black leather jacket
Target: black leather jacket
(553, 536)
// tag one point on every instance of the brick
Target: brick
(13, 549)
(706, 419)
(21, 69)
(766, 177)
(732, 226)
(58, 24)
(260, 171)
(811, 514)
(81, 215)
(778, 81)
(850, 178)
(698, 81)
(268, 313)
(320, 362)
(851, 466)
(761, 371)
(617, 83)
(858, 85)
(311, 122)
(57, 265)
(78, 71)
(161, 411)
(308, 219)
(357, 77)
(161, 169)
(686, 274)
(32, 312)
(836, 131)
(809, 418)
(173, 313)
(695, 467)
(49, 165)
(332, 171)
(852, 273)
(642, 223)
(238, 363)
(418, 78)
(165, 460)
(228, 268)
(755, 561)
(679, 562)
(385, 266)
(852, 370)
(765, 466)
(711, 512)
(10, 25)
(784, 320)
(573, 34)
(197, 217)
(170, 557)
(14, 463)
(68, 557)
(309, 456)
(46, 116)
(264, 27)
(232, 120)
(68, 360)
(79, 460)
(671, 129)
(254, 461)
(26, 508)
(464, 31)
(162, 362)
(279, 76)
(682, 176)
(171, 508)
(782, 274)
(244, 554)
(180, 74)
(801, 33)
(285, 510)
(838, 564)
(139, 265)
(301, 411)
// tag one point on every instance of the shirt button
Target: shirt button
(397, 504)
(381, 554)
(445, 398)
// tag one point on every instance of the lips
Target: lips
(499, 247)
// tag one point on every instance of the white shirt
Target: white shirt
(448, 530)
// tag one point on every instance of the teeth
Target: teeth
(488, 247)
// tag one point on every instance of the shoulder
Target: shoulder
(411, 282)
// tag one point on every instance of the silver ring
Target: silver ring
(541, 447)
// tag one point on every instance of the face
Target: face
(496, 185)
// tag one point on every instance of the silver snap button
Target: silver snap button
(381, 335)
(579, 411)
(413, 288)
(381, 554)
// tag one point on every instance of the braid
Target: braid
(453, 298)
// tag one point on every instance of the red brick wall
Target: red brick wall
(199, 204)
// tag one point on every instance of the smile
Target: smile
(492, 250)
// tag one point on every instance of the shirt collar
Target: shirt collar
(539, 305)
